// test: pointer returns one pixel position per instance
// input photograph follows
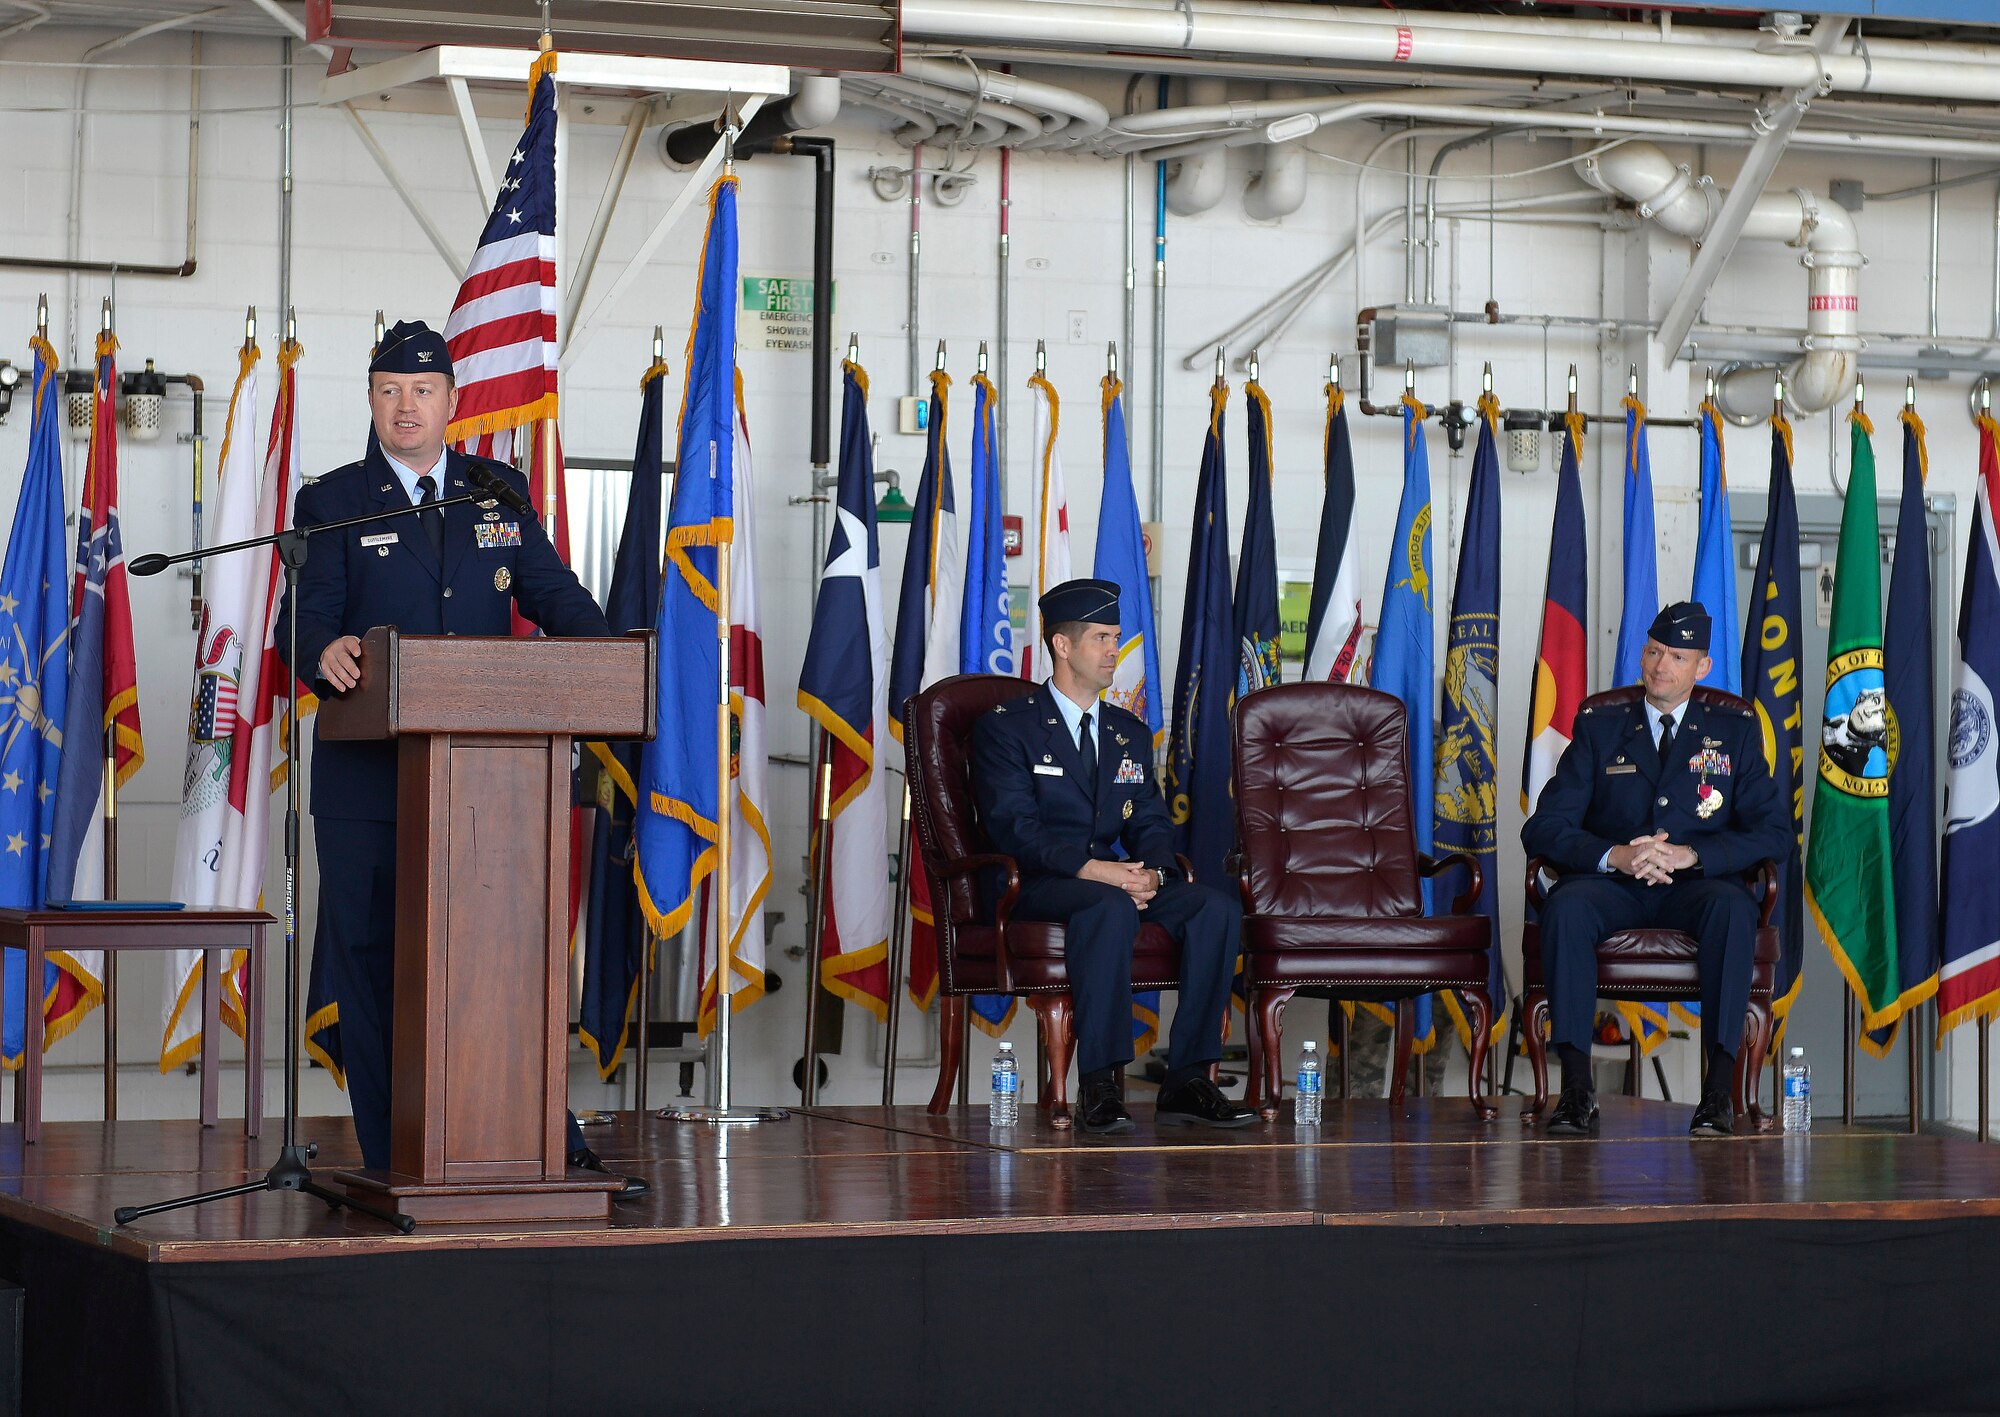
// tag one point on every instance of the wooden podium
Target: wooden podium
(481, 1075)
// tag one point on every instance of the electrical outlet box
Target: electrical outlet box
(1079, 332)
(913, 415)
(1418, 335)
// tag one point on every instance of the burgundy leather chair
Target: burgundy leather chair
(1655, 964)
(1331, 876)
(1000, 955)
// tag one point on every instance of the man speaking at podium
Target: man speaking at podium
(453, 571)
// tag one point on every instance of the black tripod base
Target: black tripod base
(288, 1173)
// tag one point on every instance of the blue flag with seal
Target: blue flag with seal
(985, 634)
(1404, 657)
(34, 688)
(1641, 554)
(1135, 685)
(1468, 756)
(1198, 766)
(616, 929)
(676, 826)
(1257, 561)
(1772, 639)
(1715, 560)
(1909, 676)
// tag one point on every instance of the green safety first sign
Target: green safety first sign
(777, 312)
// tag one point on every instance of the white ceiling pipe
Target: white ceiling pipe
(990, 120)
(1202, 177)
(1279, 188)
(1073, 115)
(1621, 52)
(1670, 194)
(914, 125)
(1164, 148)
(1246, 113)
(816, 102)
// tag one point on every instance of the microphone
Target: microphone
(151, 564)
(493, 485)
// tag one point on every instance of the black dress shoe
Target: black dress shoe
(1199, 1103)
(1714, 1117)
(1101, 1111)
(584, 1159)
(1575, 1114)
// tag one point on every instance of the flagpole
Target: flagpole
(822, 780)
(110, 881)
(899, 940)
(1846, 995)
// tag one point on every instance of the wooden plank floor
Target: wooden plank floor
(875, 1171)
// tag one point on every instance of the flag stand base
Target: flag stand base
(724, 1116)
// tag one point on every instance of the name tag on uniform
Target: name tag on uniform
(1129, 771)
(492, 534)
(386, 538)
(1620, 768)
(1045, 770)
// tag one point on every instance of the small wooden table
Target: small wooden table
(213, 932)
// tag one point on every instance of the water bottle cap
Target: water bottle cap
(1311, 1046)
(1005, 1046)
(1798, 1052)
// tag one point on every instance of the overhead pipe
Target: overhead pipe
(1279, 187)
(1615, 50)
(1669, 193)
(1202, 177)
(1068, 117)
(814, 104)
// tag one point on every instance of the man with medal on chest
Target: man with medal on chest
(1654, 813)
(1065, 785)
(457, 570)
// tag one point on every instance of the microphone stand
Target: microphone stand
(289, 1172)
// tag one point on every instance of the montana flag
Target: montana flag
(749, 758)
(1052, 564)
(1640, 558)
(1467, 791)
(1562, 662)
(1969, 969)
(1120, 558)
(1849, 879)
(846, 692)
(1772, 639)
(925, 648)
(103, 706)
(1333, 622)
(1256, 602)
(615, 927)
(227, 646)
(1198, 761)
(1715, 560)
(34, 691)
(1405, 648)
(1908, 677)
(502, 329)
(676, 828)
(1135, 685)
(985, 635)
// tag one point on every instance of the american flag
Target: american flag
(502, 331)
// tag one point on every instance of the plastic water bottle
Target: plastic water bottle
(1312, 1088)
(1005, 1108)
(1798, 1092)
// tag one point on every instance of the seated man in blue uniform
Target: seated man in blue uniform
(458, 570)
(1654, 813)
(1065, 786)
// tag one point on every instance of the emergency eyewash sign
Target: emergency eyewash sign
(777, 312)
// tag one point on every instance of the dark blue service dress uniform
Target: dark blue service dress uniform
(1714, 793)
(386, 573)
(1038, 806)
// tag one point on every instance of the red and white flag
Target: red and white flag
(1052, 566)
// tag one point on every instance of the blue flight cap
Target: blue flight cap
(411, 347)
(1682, 626)
(1082, 601)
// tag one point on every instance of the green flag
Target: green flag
(1848, 861)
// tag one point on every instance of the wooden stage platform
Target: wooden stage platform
(880, 1260)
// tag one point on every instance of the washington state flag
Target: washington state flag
(1848, 863)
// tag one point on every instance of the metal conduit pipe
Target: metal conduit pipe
(1613, 50)
(1202, 177)
(1669, 193)
(916, 126)
(1069, 116)
(1003, 121)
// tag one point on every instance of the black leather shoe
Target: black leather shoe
(1575, 1114)
(1101, 1111)
(584, 1159)
(1199, 1103)
(1713, 1118)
